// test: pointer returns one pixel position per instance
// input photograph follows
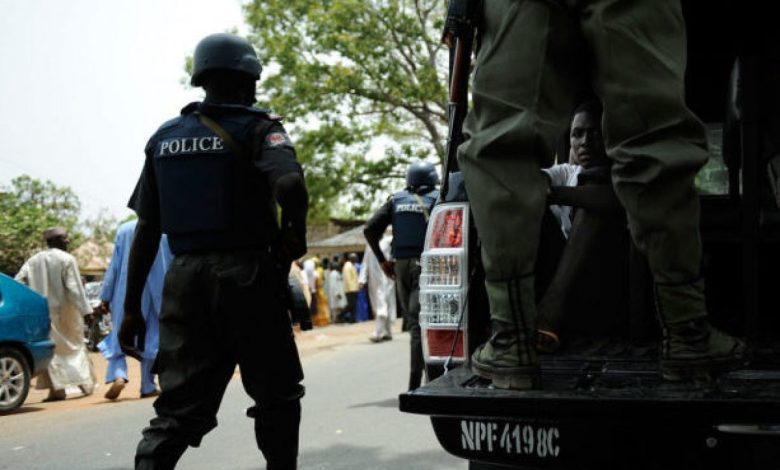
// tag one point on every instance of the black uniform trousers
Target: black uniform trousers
(407, 284)
(221, 310)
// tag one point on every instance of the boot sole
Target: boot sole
(514, 378)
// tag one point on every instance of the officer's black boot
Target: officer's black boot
(276, 432)
(691, 348)
(159, 450)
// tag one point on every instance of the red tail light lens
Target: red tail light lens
(440, 342)
(448, 229)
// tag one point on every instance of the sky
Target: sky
(85, 83)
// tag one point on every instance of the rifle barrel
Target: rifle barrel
(458, 70)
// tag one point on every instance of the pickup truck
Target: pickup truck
(602, 403)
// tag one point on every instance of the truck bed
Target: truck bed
(615, 389)
(596, 412)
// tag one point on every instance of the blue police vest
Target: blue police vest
(210, 198)
(410, 222)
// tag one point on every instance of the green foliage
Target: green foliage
(346, 73)
(102, 227)
(27, 208)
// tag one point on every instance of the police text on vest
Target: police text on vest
(189, 145)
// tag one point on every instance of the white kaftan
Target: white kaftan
(381, 289)
(54, 274)
(336, 298)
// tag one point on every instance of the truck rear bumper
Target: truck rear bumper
(586, 418)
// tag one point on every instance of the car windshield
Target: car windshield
(92, 289)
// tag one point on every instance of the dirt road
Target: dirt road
(316, 341)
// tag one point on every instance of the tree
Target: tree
(27, 208)
(348, 74)
(101, 227)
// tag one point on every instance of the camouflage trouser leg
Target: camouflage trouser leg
(656, 142)
(528, 74)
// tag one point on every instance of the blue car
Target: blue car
(25, 347)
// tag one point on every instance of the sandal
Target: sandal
(547, 342)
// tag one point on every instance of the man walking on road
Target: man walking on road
(112, 296)
(54, 274)
(381, 291)
(408, 212)
(211, 181)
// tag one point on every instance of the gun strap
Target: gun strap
(422, 206)
(223, 134)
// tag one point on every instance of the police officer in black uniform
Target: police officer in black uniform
(211, 182)
(408, 211)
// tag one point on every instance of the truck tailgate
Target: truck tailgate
(598, 412)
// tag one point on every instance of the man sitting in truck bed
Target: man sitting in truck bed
(587, 271)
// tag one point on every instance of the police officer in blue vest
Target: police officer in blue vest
(211, 181)
(408, 211)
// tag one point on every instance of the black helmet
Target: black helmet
(224, 51)
(421, 173)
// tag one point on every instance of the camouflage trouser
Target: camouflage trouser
(222, 310)
(535, 57)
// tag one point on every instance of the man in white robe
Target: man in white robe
(54, 274)
(300, 278)
(337, 300)
(310, 273)
(381, 291)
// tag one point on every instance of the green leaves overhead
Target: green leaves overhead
(347, 74)
(27, 208)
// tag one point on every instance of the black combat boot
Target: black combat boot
(691, 348)
(276, 433)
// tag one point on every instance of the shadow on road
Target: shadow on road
(344, 457)
(389, 403)
(22, 410)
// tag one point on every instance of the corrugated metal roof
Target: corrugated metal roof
(350, 240)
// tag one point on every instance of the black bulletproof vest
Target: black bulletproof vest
(210, 198)
(410, 222)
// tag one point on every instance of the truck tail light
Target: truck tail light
(440, 342)
(444, 284)
(447, 229)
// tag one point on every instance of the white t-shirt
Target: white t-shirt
(564, 174)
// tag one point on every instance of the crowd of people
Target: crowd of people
(342, 289)
(338, 290)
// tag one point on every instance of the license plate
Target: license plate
(496, 437)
